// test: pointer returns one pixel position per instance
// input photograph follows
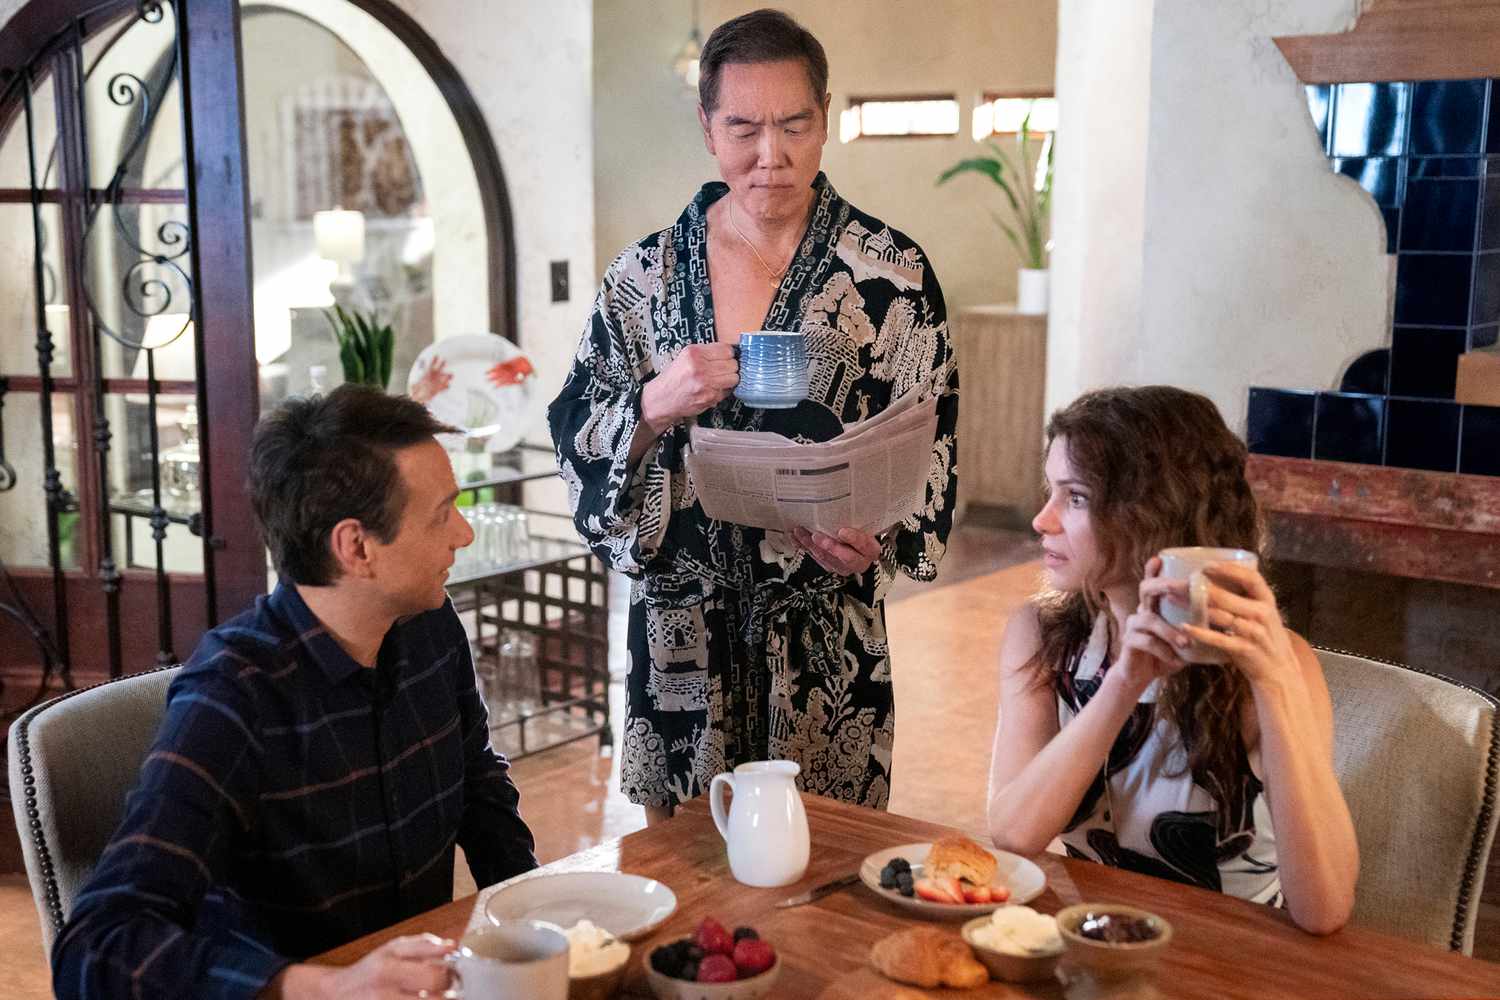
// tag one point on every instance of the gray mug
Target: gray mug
(773, 369)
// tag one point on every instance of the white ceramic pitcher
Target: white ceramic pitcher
(766, 827)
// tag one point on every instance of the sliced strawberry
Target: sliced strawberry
(999, 894)
(976, 893)
(953, 888)
(928, 889)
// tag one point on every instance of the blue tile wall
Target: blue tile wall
(1479, 451)
(1433, 288)
(1422, 434)
(1440, 214)
(1280, 422)
(1447, 117)
(1349, 427)
(1424, 362)
(1370, 373)
(1374, 122)
(1486, 310)
(1429, 155)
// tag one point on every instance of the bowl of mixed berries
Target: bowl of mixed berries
(714, 964)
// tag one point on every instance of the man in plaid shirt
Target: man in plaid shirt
(321, 753)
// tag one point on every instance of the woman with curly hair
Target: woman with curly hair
(1108, 737)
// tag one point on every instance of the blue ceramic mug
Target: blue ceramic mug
(773, 369)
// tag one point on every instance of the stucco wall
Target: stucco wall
(1219, 251)
(649, 150)
(529, 67)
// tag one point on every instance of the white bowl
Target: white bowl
(1011, 967)
(628, 906)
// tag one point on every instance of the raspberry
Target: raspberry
(717, 969)
(713, 938)
(753, 956)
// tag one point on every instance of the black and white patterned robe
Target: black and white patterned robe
(740, 647)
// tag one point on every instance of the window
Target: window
(1002, 114)
(919, 115)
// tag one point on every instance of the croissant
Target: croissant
(926, 957)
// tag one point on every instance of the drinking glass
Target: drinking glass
(519, 680)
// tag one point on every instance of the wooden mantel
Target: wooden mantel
(1403, 40)
(1402, 522)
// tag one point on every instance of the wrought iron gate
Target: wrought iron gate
(141, 270)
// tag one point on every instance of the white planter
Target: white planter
(1031, 291)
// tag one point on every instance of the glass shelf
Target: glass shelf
(552, 539)
(521, 464)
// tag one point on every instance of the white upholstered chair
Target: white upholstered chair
(73, 761)
(1418, 757)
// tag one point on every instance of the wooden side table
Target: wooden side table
(1002, 373)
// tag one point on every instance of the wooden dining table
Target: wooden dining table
(1221, 946)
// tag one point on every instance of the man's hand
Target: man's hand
(700, 376)
(849, 553)
(401, 968)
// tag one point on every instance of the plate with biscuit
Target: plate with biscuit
(953, 877)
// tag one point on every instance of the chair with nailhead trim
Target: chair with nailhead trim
(1418, 757)
(73, 760)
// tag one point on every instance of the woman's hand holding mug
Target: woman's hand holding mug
(1151, 648)
(1244, 626)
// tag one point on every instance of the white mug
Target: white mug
(766, 826)
(510, 960)
(1187, 564)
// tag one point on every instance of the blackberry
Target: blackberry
(740, 933)
(665, 961)
(691, 952)
(689, 970)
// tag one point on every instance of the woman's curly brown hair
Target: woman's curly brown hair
(1163, 470)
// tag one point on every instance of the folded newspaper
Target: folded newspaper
(870, 477)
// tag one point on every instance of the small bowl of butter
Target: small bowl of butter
(1016, 943)
(596, 962)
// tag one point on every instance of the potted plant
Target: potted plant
(365, 346)
(1026, 182)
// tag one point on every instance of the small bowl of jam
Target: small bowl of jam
(1112, 940)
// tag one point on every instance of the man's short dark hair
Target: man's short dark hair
(317, 460)
(760, 36)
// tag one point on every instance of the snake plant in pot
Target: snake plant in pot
(1025, 180)
(365, 346)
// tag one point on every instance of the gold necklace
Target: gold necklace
(775, 276)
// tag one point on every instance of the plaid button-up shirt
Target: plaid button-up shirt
(293, 801)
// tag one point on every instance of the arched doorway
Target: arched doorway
(350, 106)
(123, 180)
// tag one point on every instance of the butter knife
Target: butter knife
(820, 891)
